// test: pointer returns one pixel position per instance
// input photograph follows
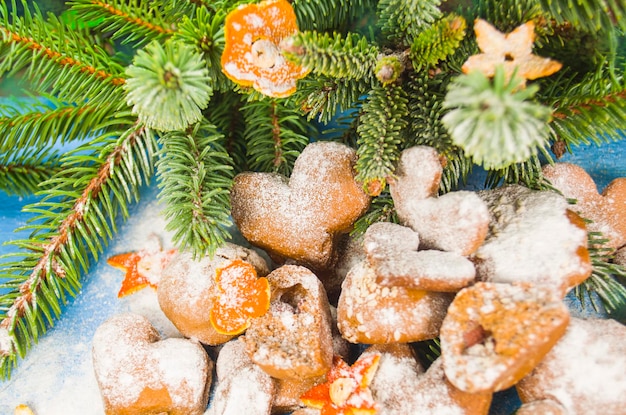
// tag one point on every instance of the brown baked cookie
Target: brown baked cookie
(187, 290)
(370, 313)
(293, 340)
(393, 385)
(392, 252)
(301, 218)
(494, 334)
(242, 387)
(585, 371)
(533, 238)
(138, 373)
(543, 407)
(455, 222)
(607, 211)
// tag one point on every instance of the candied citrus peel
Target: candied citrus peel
(346, 390)
(241, 297)
(143, 269)
(252, 54)
(511, 50)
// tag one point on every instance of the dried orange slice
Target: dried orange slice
(346, 390)
(241, 297)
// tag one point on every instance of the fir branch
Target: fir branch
(168, 85)
(339, 56)
(134, 21)
(381, 128)
(405, 20)
(380, 210)
(495, 123)
(506, 15)
(225, 112)
(22, 172)
(323, 97)
(74, 221)
(527, 173)
(205, 32)
(607, 281)
(437, 42)
(195, 175)
(327, 15)
(589, 15)
(74, 68)
(275, 135)
(40, 123)
(592, 110)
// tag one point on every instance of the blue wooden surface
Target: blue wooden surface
(57, 378)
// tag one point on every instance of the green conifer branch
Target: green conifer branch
(323, 97)
(205, 32)
(195, 175)
(44, 123)
(496, 123)
(72, 224)
(275, 135)
(137, 22)
(347, 56)
(607, 282)
(381, 135)
(506, 15)
(22, 172)
(400, 19)
(590, 15)
(74, 67)
(327, 15)
(592, 110)
(438, 41)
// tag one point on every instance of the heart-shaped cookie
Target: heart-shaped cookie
(301, 217)
(455, 222)
(392, 251)
(607, 211)
(495, 334)
(138, 373)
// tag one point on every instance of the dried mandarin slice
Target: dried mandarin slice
(241, 297)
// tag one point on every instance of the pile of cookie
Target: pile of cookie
(308, 319)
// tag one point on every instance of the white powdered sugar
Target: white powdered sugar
(585, 371)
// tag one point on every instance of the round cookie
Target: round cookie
(293, 340)
(533, 238)
(301, 218)
(494, 334)
(585, 371)
(370, 313)
(607, 211)
(187, 290)
(543, 407)
(137, 372)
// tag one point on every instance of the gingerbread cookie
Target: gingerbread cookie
(301, 218)
(242, 387)
(137, 372)
(494, 334)
(392, 252)
(455, 222)
(188, 291)
(293, 340)
(370, 313)
(543, 407)
(620, 257)
(607, 211)
(533, 238)
(585, 372)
